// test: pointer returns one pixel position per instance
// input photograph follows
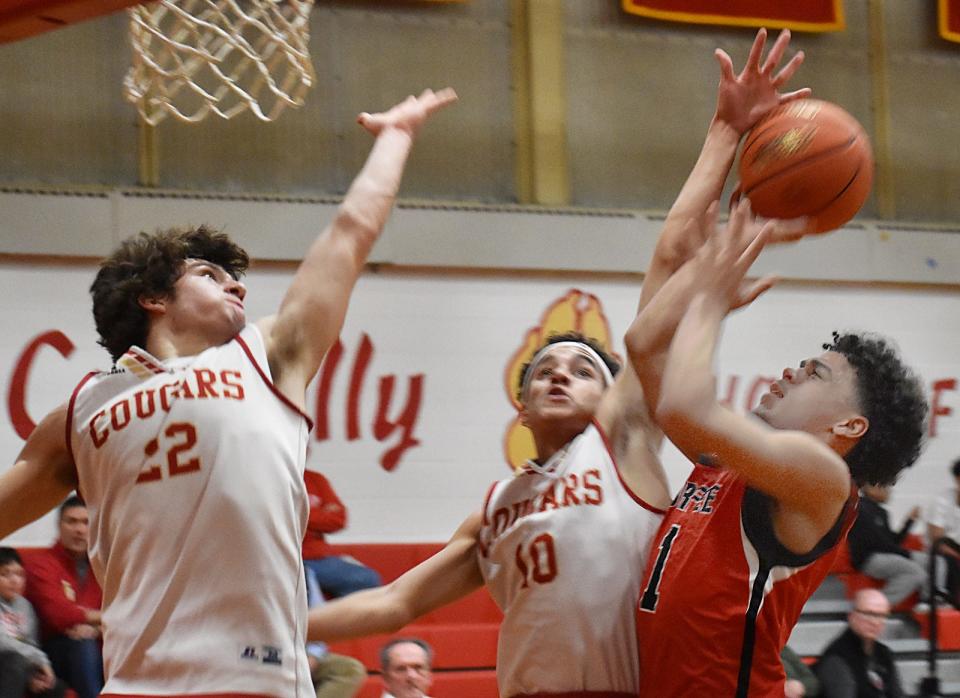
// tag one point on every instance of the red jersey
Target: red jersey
(54, 588)
(327, 515)
(721, 594)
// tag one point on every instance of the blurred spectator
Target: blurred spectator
(406, 663)
(337, 575)
(801, 681)
(333, 675)
(945, 523)
(856, 664)
(66, 596)
(24, 668)
(875, 550)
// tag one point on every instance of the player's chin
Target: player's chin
(236, 324)
(762, 412)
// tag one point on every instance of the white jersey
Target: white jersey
(945, 513)
(561, 549)
(192, 471)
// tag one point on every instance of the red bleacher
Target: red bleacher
(463, 634)
(458, 684)
(948, 627)
(854, 581)
(948, 619)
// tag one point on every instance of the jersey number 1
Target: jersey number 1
(648, 601)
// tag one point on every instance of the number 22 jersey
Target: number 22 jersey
(192, 470)
(560, 549)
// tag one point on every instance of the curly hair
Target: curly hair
(149, 265)
(892, 398)
(611, 362)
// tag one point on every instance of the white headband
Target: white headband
(585, 349)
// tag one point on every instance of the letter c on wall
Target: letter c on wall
(16, 397)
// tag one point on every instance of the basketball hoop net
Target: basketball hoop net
(196, 57)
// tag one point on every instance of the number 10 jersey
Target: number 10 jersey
(560, 549)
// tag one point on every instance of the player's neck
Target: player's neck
(168, 345)
(550, 442)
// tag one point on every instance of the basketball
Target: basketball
(807, 158)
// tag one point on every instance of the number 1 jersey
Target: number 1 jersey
(721, 594)
(192, 470)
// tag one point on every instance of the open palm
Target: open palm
(410, 114)
(745, 98)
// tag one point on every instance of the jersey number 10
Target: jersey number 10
(538, 563)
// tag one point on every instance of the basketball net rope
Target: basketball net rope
(192, 58)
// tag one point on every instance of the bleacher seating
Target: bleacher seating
(459, 684)
(463, 634)
(854, 581)
(948, 627)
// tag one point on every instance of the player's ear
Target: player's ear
(524, 416)
(152, 304)
(852, 427)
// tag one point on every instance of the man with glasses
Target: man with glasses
(856, 664)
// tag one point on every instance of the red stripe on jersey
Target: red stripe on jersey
(486, 502)
(144, 360)
(69, 423)
(633, 495)
(269, 383)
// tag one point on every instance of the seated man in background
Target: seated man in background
(856, 664)
(406, 663)
(877, 551)
(67, 599)
(944, 523)
(24, 668)
(337, 575)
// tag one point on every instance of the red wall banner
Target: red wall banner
(948, 19)
(808, 16)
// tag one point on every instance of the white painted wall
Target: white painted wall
(459, 331)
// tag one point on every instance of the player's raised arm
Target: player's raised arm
(742, 100)
(649, 335)
(41, 478)
(808, 480)
(313, 309)
(447, 576)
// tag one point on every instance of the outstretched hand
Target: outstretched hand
(782, 229)
(728, 253)
(410, 114)
(744, 99)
